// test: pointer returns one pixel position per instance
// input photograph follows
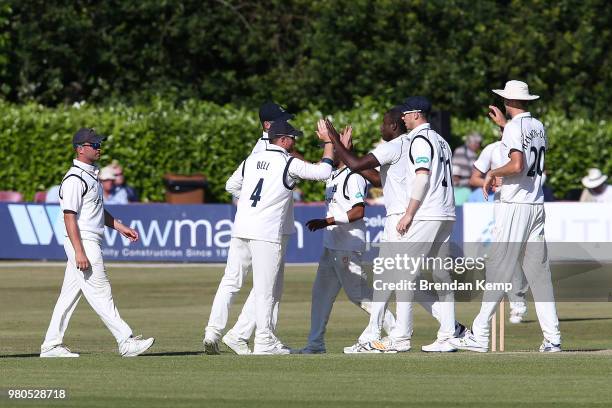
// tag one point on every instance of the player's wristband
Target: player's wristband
(328, 161)
(341, 218)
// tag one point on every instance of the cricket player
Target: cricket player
(519, 220)
(236, 339)
(393, 157)
(492, 157)
(343, 246)
(84, 220)
(264, 183)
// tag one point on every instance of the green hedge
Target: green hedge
(327, 52)
(159, 137)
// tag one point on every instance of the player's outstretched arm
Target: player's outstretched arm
(346, 156)
(123, 229)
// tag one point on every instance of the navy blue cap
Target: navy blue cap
(86, 135)
(282, 128)
(271, 112)
(416, 104)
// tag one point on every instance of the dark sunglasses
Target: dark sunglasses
(95, 146)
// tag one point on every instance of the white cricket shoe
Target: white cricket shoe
(358, 348)
(277, 348)
(468, 342)
(211, 345)
(388, 345)
(235, 344)
(57, 351)
(309, 350)
(439, 346)
(135, 346)
(548, 347)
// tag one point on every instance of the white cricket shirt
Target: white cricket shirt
(264, 184)
(491, 158)
(343, 191)
(81, 192)
(428, 150)
(393, 159)
(289, 224)
(527, 135)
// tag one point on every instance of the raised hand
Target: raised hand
(497, 116)
(346, 137)
(322, 132)
(331, 130)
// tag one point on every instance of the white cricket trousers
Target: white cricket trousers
(519, 244)
(264, 258)
(428, 237)
(339, 269)
(245, 325)
(95, 286)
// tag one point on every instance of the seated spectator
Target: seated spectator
(120, 183)
(52, 195)
(375, 196)
(461, 192)
(596, 190)
(549, 195)
(110, 195)
(464, 157)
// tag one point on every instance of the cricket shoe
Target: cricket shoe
(211, 345)
(460, 330)
(548, 347)
(236, 344)
(388, 345)
(135, 346)
(309, 350)
(57, 351)
(468, 342)
(439, 346)
(358, 348)
(276, 348)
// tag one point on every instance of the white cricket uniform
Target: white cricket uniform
(81, 192)
(492, 157)
(519, 230)
(245, 324)
(397, 160)
(265, 181)
(340, 263)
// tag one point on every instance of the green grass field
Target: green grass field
(172, 304)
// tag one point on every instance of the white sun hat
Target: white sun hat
(594, 179)
(516, 90)
(106, 173)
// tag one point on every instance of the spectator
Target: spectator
(464, 157)
(549, 195)
(595, 188)
(110, 195)
(120, 184)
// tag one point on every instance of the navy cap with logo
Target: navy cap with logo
(416, 104)
(86, 135)
(271, 112)
(282, 128)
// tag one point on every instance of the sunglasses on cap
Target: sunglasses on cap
(95, 146)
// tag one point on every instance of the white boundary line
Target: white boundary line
(135, 265)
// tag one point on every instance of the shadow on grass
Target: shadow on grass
(174, 353)
(19, 355)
